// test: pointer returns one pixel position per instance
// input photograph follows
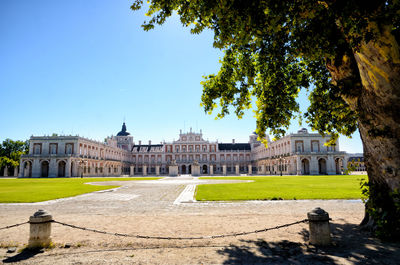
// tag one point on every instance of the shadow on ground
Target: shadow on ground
(350, 245)
(24, 255)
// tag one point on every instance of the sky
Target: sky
(84, 67)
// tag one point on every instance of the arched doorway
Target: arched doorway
(305, 167)
(204, 169)
(183, 169)
(44, 169)
(190, 169)
(338, 165)
(322, 166)
(27, 170)
(61, 169)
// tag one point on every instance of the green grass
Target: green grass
(37, 190)
(283, 187)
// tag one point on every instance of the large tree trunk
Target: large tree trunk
(378, 106)
(370, 81)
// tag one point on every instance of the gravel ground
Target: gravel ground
(148, 208)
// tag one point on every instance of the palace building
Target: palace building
(301, 153)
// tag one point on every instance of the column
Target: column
(237, 170)
(144, 170)
(157, 170)
(298, 165)
(132, 171)
(21, 169)
(36, 168)
(330, 166)
(119, 171)
(263, 169)
(68, 168)
(314, 170)
(75, 169)
(224, 170)
(250, 169)
(53, 168)
(211, 170)
(345, 161)
(5, 174)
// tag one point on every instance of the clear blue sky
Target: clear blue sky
(80, 67)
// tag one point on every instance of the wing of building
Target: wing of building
(301, 153)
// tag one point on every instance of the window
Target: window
(37, 149)
(314, 146)
(53, 149)
(68, 149)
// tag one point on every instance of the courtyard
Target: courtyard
(165, 207)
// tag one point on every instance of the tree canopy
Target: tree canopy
(11, 151)
(344, 52)
(274, 48)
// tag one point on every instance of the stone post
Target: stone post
(144, 170)
(224, 170)
(40, 229)
(132, 171)
(237, 169)
(5, 174)
(320, 234)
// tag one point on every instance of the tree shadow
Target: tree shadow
(349, 245)
(25, 254)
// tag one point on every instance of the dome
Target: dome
(302, 131)
(123, 131)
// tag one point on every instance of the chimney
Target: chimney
(149, 142)
(140, 142)
(233, 141)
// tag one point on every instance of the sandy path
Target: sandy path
(147, 208)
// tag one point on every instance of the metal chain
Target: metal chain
(11, 226)
(181, 238)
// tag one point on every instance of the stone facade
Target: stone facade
(300, 153)
(74, 156)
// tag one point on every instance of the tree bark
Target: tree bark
(378, 106)
(376, 64)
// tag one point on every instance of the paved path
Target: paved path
(169, 195)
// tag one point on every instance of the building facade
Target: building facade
(73, 156)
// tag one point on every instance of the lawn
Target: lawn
(283, 187)
(43, 189)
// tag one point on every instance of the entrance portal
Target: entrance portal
(44, 169)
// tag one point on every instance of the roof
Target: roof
(123, 131)
(146, 146)
(240, 146)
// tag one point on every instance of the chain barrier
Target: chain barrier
(11, 226)
(181, 238)
(163, 237)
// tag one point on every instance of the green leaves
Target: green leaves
(11, 151)
(275, 48)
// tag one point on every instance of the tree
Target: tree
(344, 52)
(11, 151)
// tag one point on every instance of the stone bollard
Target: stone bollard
(40, 229)
(320, 233)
